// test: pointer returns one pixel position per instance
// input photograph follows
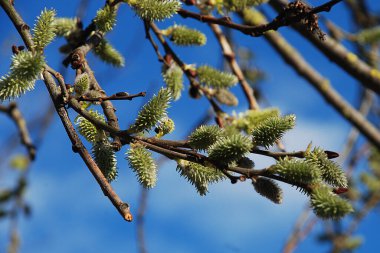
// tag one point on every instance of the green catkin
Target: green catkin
(152, 112)
(107, 53)
(226, 97)
(204, 136)
(198, 175)
(268, 189)
(105, 19)
(44, 30)
(330, 171)
(65, 26)
(105, 158)
(297, 171)
(155, 10)
(214, 78)
(86, 128)
(230, 148)
(81, 84)
(141, 162)
(248, 120)
(173, 77)
(25, 69)
(184, 36)
(328, 205)
(271, 130)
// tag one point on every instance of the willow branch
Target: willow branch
(78, 147)
(283, 19)
(229, 55)
(368, 76)
(322, 85)
(56, 97)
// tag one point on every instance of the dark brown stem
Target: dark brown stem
(78, 147)
(283, 19)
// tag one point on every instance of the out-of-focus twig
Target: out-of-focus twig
(14, 113)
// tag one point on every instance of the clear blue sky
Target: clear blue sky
(69, 211)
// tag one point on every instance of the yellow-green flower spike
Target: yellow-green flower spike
(184, 36)
(214, 78)
(165, 126)
(152, 112)
(330, 171)
(198, 175)
(297, 171)
(141, 162)
(369, 36)
(226, 97)
(328, 205)
(86, 128)
(105, 158)
(25, 69)
(65, 26)
(82, 84)
(268, 189)
(250, 119)
(173, 77)
(107, 53)
(155, 10)
(105, 19)
(271, 130)
(204, 136)
(44, 30)
(230, 148)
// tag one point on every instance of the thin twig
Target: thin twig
(283, 19)
(14, 113)
(229, 55)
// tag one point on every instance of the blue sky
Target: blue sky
(70, 213)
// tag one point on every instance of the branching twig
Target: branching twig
(368, 76)
(283, 19)
(322, 85)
